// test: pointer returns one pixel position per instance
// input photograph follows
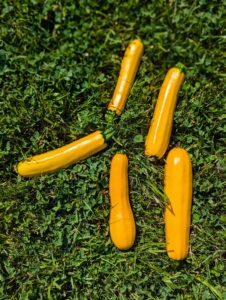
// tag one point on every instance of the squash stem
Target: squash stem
(180, 67)
(110, 116)
(122, 151)
(108, 134)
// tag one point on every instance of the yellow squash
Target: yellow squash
(129, 67)
(122, 224)
(161, 125)
(65, 156)
(178, 188)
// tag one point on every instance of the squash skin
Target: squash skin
(122, 223)
(129, 67)
(178, 188)
(161, 124)
(62, 157)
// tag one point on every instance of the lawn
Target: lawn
(59, 64)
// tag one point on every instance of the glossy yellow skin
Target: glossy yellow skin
(161, 125)
(129, 67)
(62, 157)
(178, 188)
(122, 224)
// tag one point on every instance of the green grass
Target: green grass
(59, 63)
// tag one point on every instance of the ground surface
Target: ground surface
(59, 63)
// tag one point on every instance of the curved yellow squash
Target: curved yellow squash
(178, 188)
(129, 67)
(62, 157)
(122, 224)
(161, 125)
